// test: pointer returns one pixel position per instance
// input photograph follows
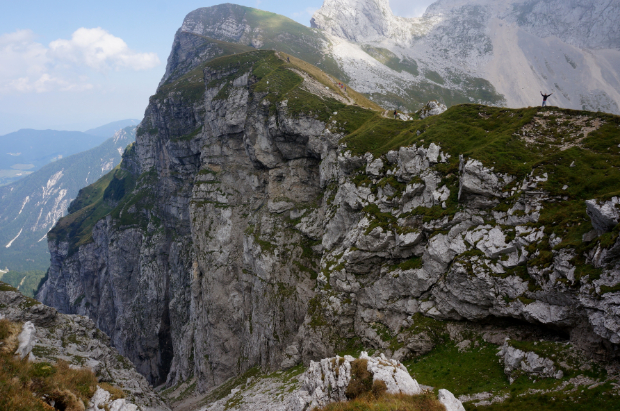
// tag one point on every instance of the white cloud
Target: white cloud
(28, 66)
(21, 54)
(46, 83)
(100, 50)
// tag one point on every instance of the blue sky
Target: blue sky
(75, 65)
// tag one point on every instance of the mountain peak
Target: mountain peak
(359, 20)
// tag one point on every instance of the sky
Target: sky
(75, 65)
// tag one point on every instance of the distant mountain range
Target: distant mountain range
(30, 207)
(26, 151)
(109, 129)
(492, 52)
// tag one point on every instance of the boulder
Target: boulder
(449, 401)
(27, 338)
(604, 216)
(432, 108)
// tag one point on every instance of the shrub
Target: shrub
(361, 379)
(5, 330)
(379, 388)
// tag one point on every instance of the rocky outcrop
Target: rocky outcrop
(48, 336)
(328, 380)
(517, 362)
(26, 339)
(102, 399)
(449, 401)
(432, 108)
(324, 382)
(604, 216)
(244, 229)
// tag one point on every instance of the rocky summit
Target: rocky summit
(267, 220)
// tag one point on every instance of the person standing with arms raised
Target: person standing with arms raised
(545, 97)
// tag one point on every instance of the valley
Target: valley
(370, 213)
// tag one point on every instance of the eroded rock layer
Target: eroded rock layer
(264, 218)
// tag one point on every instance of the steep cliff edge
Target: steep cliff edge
(63, 362)
(181, 266)
(265, 218)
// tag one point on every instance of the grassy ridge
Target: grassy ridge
(495, 136)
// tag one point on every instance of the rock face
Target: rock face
(327, 381)
(362, 21)
(507, 44)
(49, 336)
(246, 227)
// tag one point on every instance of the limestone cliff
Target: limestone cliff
(266, 217)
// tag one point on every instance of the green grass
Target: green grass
(468, 372)
(583, 399)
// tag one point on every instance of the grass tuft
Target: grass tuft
(388, 402)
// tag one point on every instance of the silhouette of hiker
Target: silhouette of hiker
(545, 97)
(395, 114)
(288, 59)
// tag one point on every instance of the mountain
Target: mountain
(30, 207)
(266, 218)
(26, 151)
(110, 129)
(482, 51)
(570, 48)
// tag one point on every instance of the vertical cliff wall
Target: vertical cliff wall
(264, 217)
(196, 269)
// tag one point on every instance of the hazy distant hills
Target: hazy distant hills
(30, 207)
(25, 151)
(109, 129)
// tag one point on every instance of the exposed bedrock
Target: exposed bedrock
(250, 236)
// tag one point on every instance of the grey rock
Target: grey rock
(27, 339)
(449, 401)
(527, 362)
(604, 216)
(327, 381)
(432, 108)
